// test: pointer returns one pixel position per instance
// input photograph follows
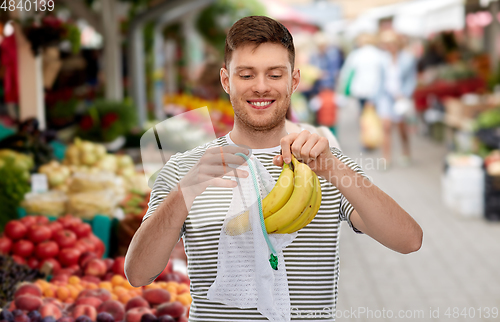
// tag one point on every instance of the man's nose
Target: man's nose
(261, 85)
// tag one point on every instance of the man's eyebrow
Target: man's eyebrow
(238, 68)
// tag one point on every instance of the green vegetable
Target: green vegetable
(488, 119)
(14, 184)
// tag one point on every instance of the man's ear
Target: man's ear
(224, 79)
(295, 79)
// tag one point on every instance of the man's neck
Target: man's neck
(257, 139)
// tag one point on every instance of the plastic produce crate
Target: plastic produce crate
(102, 227)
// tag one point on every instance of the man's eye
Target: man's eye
(275, 76)
(245, 76)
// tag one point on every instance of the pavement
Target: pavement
(455, 276)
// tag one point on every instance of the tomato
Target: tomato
(109, 264)
(15, 229)
(55, 226)
(64, 238)
(42, 219)
(81, 246)
(99, 245)
(89, 243)
(118, 266)
(18, 259)
(33, 262)
(53, 263)
(28, 221)
(5, 245)
(81, 229)
(68, 256)
(23, 248)
(38, 233)
(47, 249)
(68, 220)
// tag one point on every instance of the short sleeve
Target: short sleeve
(346, 208)
(167, 179)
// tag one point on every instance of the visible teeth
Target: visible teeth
(261, 103)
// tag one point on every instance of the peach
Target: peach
(89, 300)
(28, 288)
(113, 307)
(50, 309)
(100, 293)
(182, 319)
(95, 267)
(28, 302)
(54, 301)
(109, 264)
(156, 296)
(137, 301)
(135, 314)
(91, 279)
(174, 309)
(60, 277)
(85, 309)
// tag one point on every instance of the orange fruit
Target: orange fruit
(114, 296)
(92, 286)
(119, 290)
(152, 286)
(106, 285)
(182, 288)
(117, 280)
(184, 298)
(62, 293)
(49, 292)
(73, 291)
(173, 292)
(124, 297)
(74, 280)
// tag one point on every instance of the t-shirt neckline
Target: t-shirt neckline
(265, 150)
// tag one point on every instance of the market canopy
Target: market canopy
(425, 17)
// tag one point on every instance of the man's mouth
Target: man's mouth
(261, 104)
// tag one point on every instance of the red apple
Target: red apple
(42, 220)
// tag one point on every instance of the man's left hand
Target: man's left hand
(311, 149)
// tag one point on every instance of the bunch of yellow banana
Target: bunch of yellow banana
(290, 206)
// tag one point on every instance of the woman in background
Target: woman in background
(398, 82)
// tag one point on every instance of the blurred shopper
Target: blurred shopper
(360, 76)
(328, 59)
(395, 98)
(309, 74)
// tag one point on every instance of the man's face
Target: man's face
(260, 82)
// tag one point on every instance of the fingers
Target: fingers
(286, 143)
(306, 147)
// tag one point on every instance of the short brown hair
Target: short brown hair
(258, 30)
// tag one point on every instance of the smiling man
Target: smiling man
(190, 198)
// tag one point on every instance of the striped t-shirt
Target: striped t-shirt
(311, 260)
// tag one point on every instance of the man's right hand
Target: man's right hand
(210, 169)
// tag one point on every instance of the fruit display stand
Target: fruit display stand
(102, 227)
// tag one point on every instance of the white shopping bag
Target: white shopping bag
(245, 278)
